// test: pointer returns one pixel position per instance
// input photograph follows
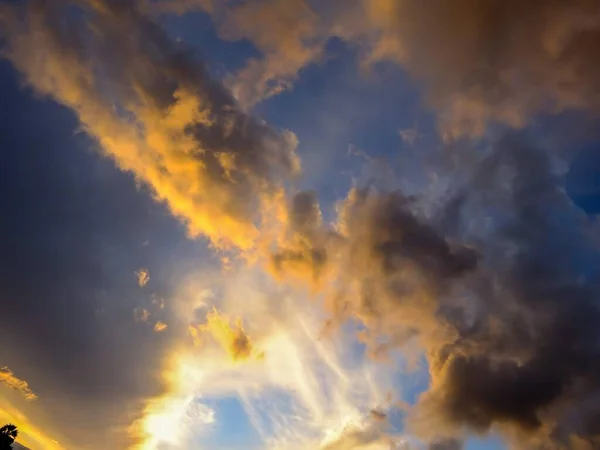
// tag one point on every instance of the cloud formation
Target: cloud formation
(498, 60)
(155, 111)
(509, 330)
(8, 378)
(302, 394)
(231, 338)
(368, 435)
(493, 310)
(446, 444)
(285, 33)
(160, 326)
(143, 276)
(479, 62)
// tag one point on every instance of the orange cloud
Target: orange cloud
(503, 61)
(231, 338)
(179, 132)
(143, 276)
(160, 326)
(8, 378)
(286, 31)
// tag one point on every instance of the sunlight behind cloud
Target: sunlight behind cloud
(301, 388)
(8, 379)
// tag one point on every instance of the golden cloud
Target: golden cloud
(503, 61)
(157, 114)
(143, 276)
(8, 378)
(230, 336)
(160, 326)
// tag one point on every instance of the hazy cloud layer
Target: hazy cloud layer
(494, 60)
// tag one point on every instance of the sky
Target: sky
(300, 224)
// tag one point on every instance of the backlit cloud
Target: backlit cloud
(160, 326)
(500, 61)
(492, 282)
(8, 378)
(143, 276)
(473, 298)
(155, 112)
(231, 337)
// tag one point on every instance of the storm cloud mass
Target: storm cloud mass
(493, 279)
(510, 331)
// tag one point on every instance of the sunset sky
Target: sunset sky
(300, 224)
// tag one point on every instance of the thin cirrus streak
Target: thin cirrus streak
(299, 391)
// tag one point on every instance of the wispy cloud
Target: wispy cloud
(9, 379)
(160, 326)
(296, 388)
(143, 276)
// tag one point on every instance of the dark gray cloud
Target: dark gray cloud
(489, 60)
(446, 444)
(500, 289)
(526, 344)
(529, 353)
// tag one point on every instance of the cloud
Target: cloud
(231, 338)
(155, 112)
(446, 444)
(490, 306)
(497, 61)
(143, 276)
(304, 388)
(141, 314)
(172, 420)
(509, 329)
(286, 33)
(289, 34)
(8, 378)
(301, 249)
(501, 61)
(160, 326)
(366, 435)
